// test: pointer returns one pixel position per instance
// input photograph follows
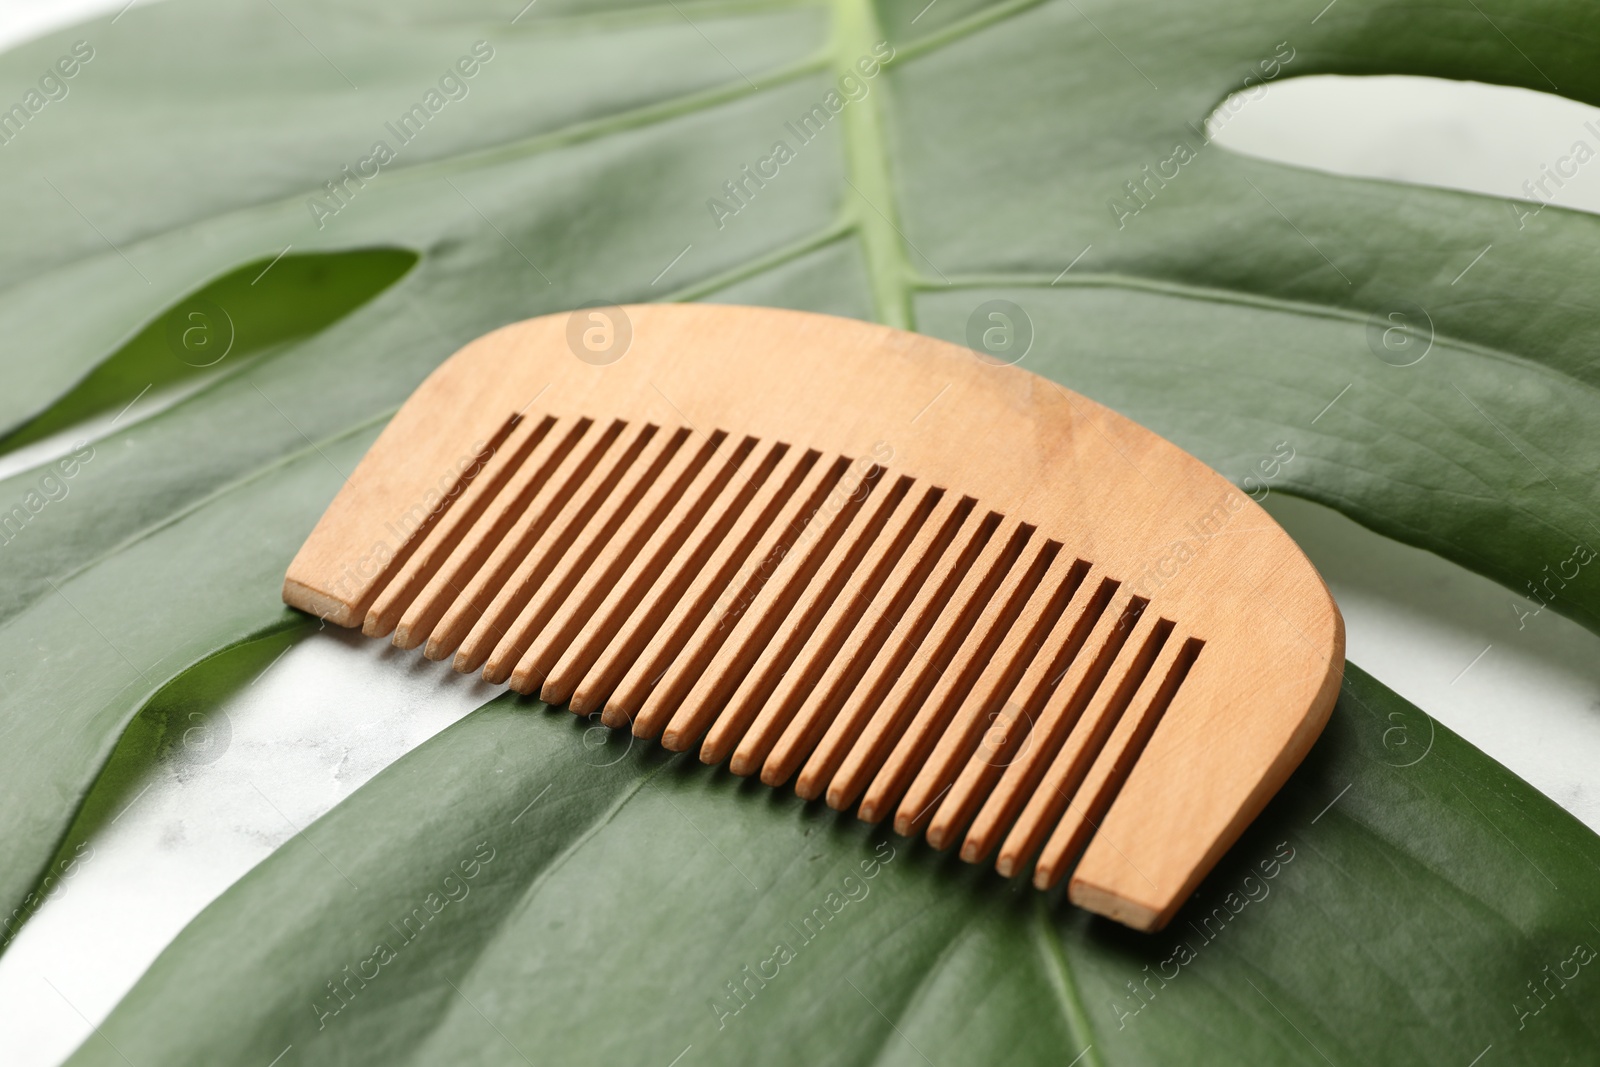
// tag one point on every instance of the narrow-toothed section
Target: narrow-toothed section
(704, 534)
(762, 642)
(649, 469)
(940, 730)
(808, 616)
(807, 691)
(688, 723)
(895, 741)
(686, 686)
(1074, 613)
(1013, 799)
(1066, 771)
(512, 498)
(566, 531)
(590, 449)
(934, 525)
(1111, 768)
(831, 581)
(645, 691)
(949, 544)
(447, 520)
(999, 694)
(574, 678)
(1043, 708)
(634, 527)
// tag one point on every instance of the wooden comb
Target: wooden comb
(879, 564)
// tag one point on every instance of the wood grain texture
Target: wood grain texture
(860, 560)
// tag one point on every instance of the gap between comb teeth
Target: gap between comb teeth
(525, 479)
(834, 592)
(760, 645)
(1112, 768)
(609, 508)
(570, 678)
(410, 569)
(632, 531)
(879, 548)
(569, 520)
(688, 722)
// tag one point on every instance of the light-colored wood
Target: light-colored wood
(871, 699)
(985, 700)
(887, 695)
(571, 680)
(634, 527)
(822, 648)
(1046, 733)
(824, 674)
(716, 595)
(738, 677)
(914, 770)
(748, 603)
(542, 582)
(1011, 719)
(504, 460)
(1138, 640)
(1099, 788)
(862, 560)
(703, 535)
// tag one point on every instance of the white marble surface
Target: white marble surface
(336, 709)
(306, 733)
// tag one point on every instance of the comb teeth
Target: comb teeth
(821, 618)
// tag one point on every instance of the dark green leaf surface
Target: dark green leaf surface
(1377, 913)
(1226, 314)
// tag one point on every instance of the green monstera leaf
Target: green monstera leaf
(513, 892)
(335, 196)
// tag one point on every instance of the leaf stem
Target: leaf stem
(871, 192)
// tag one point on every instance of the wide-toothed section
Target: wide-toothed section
(879, 640)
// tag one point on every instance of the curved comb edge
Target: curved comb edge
(1159, 840)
